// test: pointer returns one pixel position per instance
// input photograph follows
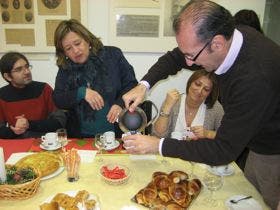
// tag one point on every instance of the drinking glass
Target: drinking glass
(191, 175)
(62, 136)
(213, 183)
(99, 142)
(187, 136)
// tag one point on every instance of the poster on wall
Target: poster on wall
(28, 25)
(143, 25)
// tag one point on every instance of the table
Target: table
(119, 197)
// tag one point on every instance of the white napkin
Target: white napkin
(15, 157)
(142, 157)
(87, 156)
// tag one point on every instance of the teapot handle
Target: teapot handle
(153, 118)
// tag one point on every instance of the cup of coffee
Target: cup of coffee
(109, 137)
(49, 139)
(177, 135)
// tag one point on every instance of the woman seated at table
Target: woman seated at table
(90, 81)
(194, 115)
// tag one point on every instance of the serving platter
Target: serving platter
(73, 193)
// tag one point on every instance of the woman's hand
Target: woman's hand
(94, 99)
(172, 97)
(200, 132)
(114, 112)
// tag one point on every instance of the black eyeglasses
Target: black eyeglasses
(21, 68)
(200, 51)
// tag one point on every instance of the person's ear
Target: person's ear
(7, 77)
(218, 43)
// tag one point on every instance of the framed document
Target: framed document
(143, 25)
(28, 25)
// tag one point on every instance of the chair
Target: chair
(147, 108)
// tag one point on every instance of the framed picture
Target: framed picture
(143, 25)
(28, 25)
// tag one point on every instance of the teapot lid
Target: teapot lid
(132, 121)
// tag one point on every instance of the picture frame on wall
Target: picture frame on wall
(28, 25)
(143, 25)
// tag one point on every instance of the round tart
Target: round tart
(46, 162)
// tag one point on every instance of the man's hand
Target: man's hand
(141, 144)
(135, 95)
(113, 114)
(94, 99)
(17, 131)
(21, 125)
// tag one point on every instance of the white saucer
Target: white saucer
(112, 146)
(50, 148)
(248, 204)
(221, 170)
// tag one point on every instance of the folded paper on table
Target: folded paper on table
(15, 157)
(142, 157)
(2, 166)
(87, 156)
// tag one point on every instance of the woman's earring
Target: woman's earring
(66, 58)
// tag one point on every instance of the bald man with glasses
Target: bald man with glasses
(247, 66)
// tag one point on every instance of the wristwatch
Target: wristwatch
(162, 114)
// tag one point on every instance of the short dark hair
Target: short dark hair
(8, 61)
(213, 96)
(208, 18)
(75, 26)
(249, 18)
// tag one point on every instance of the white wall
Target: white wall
(44, 68)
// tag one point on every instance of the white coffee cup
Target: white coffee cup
(49, 139)
(177, 135)
(109, 137)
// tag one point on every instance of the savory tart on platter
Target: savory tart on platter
(46, 162)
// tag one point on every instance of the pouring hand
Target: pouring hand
(141, 144)
(114, 112)
(134, 96)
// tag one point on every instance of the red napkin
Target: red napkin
(15, 145)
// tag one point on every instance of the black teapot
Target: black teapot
(136, 121)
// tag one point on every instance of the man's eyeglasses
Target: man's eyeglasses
(200, 51)
(21, 68)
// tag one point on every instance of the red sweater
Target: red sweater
(34, 102)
